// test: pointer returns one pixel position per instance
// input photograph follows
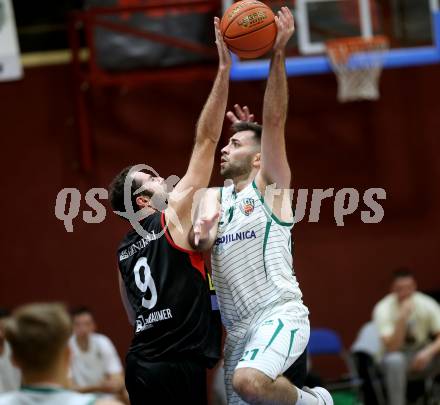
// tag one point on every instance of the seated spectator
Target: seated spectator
(409, 326)
(39, 335)
(9, 375)
(95, 364)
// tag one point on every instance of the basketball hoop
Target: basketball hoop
(357, 79)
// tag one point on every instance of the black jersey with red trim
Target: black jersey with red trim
(168, 290)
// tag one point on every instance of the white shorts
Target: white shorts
(270, 342)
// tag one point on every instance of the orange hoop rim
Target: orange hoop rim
(342, 48)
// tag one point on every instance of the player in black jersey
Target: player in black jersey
(163, 281)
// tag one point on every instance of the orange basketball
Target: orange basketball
(249, 28)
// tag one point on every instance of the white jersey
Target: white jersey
(92, 366)
(46, 396)
(251, 257)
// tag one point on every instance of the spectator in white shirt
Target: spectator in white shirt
(95, 364)
(408, 322)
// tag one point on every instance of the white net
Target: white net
(357, 81)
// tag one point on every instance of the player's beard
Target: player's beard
(232, 170)
(159, 200)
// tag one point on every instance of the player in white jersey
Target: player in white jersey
(48, 396)
(248, 225)
(39, 334)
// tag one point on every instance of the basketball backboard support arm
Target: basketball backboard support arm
(310, 65)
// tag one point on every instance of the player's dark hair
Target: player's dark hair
(116, 191)
(402, 272)
(80, 311)
(248, 126)
(4, 313)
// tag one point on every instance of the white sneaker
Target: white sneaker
(324, 397)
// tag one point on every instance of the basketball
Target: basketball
(248, 28)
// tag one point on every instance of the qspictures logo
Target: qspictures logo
(306, 203)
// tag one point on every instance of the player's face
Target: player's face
(153, 184)
(239, 154)
(404, 287)
(83, 325)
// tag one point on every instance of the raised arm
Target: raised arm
(208, 133)
(274, 164)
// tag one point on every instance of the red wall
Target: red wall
(393, 143)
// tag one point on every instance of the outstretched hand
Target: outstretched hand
(224, 57)
(286, 28)
(240, 114)
(203, 226)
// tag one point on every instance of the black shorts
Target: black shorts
(165, 382)
(297, 372)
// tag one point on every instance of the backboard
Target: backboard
(412, 27)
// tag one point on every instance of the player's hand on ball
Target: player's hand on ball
(240, 114)
(286, 28)
(223, 52)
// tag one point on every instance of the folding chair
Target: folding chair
(327, 342)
